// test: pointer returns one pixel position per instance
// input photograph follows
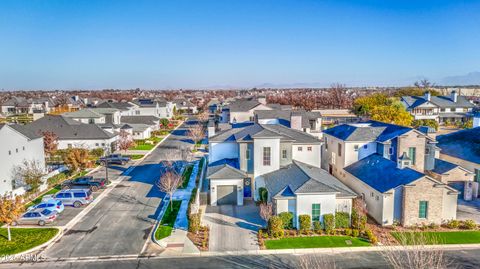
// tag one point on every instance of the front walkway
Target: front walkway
(233, 228)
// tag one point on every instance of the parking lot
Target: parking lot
(114, 171)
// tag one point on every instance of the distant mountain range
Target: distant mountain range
(472, 78)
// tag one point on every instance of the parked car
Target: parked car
(40, 216)
(50, 204)
(74, 197)
(86, 182)
(114, 159)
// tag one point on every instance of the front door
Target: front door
(247, 187)
(330, 169)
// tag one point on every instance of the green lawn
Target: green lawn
(457, 237)
(168, 220)
(143, 147)
(186, 176)
(136, 156)
(24, 239)
(315, 242)
(156, 139)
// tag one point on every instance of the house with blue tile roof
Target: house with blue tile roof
(387, 166)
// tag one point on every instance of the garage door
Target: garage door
(227, 195)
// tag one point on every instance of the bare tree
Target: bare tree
(169, 182)
(125, 141)
(50, 142)
(29, 173)
(196, 132)
(266, 211)
(413, 252)
(203, 116)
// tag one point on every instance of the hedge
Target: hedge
(342, 220)
(287, 219)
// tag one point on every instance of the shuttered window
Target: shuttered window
(412, 152)
(423, 209)
(315, 212)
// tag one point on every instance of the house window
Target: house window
(266, 156)
(9, 152)
(412, 154)
(69, 146)
(477, 175)
(423, 209)
(315, 212)
(355, 147)
(23, 148)
(377, 198)
(247, 154)
(427, 151)
(339, 150)
(284, 153)
(309, 148)
(390, 151)
(91, 121)
(300, 148)
(16, 150)
(103, 144)
(96, 144)
(372, 194)
(365, 146)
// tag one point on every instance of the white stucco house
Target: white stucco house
(151, 107)
(74, 134)
(18, 144)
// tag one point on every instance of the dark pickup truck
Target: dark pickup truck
(86, 182)
(114, 159)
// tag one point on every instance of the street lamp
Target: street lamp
(106, 152)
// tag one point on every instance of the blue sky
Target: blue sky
(172, 44)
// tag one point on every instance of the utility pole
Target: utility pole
(106, 163)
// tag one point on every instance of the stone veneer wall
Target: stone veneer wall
(422, 190)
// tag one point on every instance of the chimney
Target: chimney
(454, 96)
(296, 120)
(427, 96)
(262, 100)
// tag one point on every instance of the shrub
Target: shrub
(453, 224)
(348, 232)
(194, 223)
(305, 223)
(329, 222)
(469, 224)
(317, 227)
(355, 232)
(287, 219)
(97, 152)
(263, 193)
(433, 226)
(56, 179)
(371, 237)
(342, 220)
(275, 227)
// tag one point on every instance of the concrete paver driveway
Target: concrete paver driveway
(233, 227)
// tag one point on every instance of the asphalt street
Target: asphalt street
(459, 259)
(121, 222)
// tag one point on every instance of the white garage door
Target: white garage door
(227, 195)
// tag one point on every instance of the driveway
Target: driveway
(120, 223)
(468, 210)
(233, 227)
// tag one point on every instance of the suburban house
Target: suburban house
(142, 126)
(306, 121)
(240, 155)
(95, 115)
(151, 107)
(18, 144)
(125, 108)
(21, 105)
(462, 148)
(183, 104)
(304, 189)
(442, 109)
(74, 134)
(242, 110)
(386, 165)
(337, 116)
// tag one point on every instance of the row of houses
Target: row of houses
(404, 175)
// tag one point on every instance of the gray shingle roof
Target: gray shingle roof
(243, 105)
(118, 105)
(151, 120)
(84, 113)
(261, 131)
(303, 178)
(440, 101)
(66, 128)
(25, 131)
(225, 171)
